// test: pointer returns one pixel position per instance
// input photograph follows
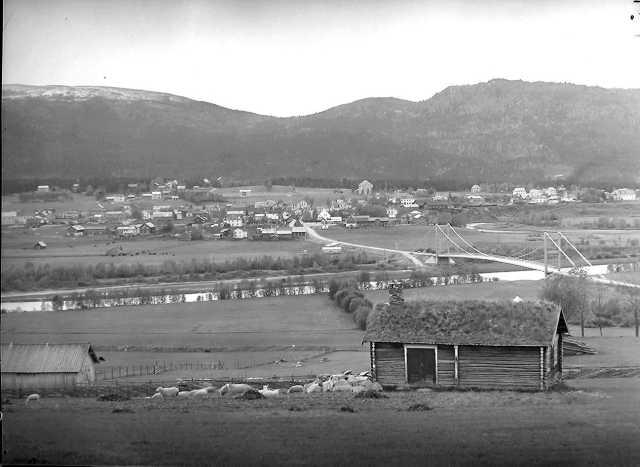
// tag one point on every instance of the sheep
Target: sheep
(296, 388)
(32, 398)
(266, 392)
(314, 387)
(200, 392)
(234, 389)
(157, 395)
(168, 392)
(184, 394)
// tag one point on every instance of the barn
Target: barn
(467, 344)
(46, 366)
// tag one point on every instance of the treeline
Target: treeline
(45, 276)
(593, 305)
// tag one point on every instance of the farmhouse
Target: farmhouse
(75, 231)
(467, 344)
(624, 194)
(9, 217)
(365, 187)
(46, 366)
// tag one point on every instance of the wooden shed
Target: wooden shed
(467, 344)
(46, 366)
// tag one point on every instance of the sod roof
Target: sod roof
(471, 322)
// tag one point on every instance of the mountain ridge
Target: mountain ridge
(493, 131)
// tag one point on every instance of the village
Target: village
(140, 214)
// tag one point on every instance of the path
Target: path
(316, 236)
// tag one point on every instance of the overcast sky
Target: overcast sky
(286, 57)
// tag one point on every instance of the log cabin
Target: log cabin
(466, 344)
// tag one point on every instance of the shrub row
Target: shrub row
(347, 296)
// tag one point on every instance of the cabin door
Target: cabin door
(421, 365)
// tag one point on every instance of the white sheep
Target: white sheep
(314, 387)
(200, 392)
(157, 395)
(168, 392)
(32, 398)
(266, 392)
(232, 389)
(184, 394)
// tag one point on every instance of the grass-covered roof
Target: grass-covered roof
(471, 322)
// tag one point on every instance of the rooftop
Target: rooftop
(44, 358)
(469, 322)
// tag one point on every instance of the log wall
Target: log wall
(389, 363)
(499, 367)
(446, 365)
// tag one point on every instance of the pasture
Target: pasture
(592, 423)
(17, 249)
(412, 237)
(282, 193)
(309, 322)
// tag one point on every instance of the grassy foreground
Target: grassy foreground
(596, 424)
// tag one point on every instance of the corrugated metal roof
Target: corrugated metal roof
(44, 358)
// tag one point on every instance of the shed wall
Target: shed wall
(478, 366)
(389, 363)
(23, 381)
(499, 367)
(446, 365)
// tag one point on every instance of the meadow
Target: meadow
(17, 249)
(591, 422)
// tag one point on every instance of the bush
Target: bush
(360, 316)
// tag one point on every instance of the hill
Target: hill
(495, 131)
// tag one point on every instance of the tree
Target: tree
(633, 300)
(268, 184)
(569, 293)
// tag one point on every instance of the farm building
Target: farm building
(467, 344)
(45, 366)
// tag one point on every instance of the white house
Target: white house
(392, 212)
(520, 192)
(239, 234)
(624, 194)
(537, 196)
(235, 218)
(42, 188)
(9, 217)
(156, 195)
(323, 215)
(365, 188)
(408, 202)
(475, 189)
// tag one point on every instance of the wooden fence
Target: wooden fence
(160, 367)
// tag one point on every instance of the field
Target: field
(256, 324)
(593, 421)
(412, 237)
(282, 193)
(17, 249)
(596, 423)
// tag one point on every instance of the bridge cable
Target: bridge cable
(451, 241)
(465, 241)
(561, 250)
(564, 237)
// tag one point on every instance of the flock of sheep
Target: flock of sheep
(343, 382)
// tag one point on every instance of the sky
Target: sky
(296, 57)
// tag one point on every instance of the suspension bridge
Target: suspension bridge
(558, 255)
